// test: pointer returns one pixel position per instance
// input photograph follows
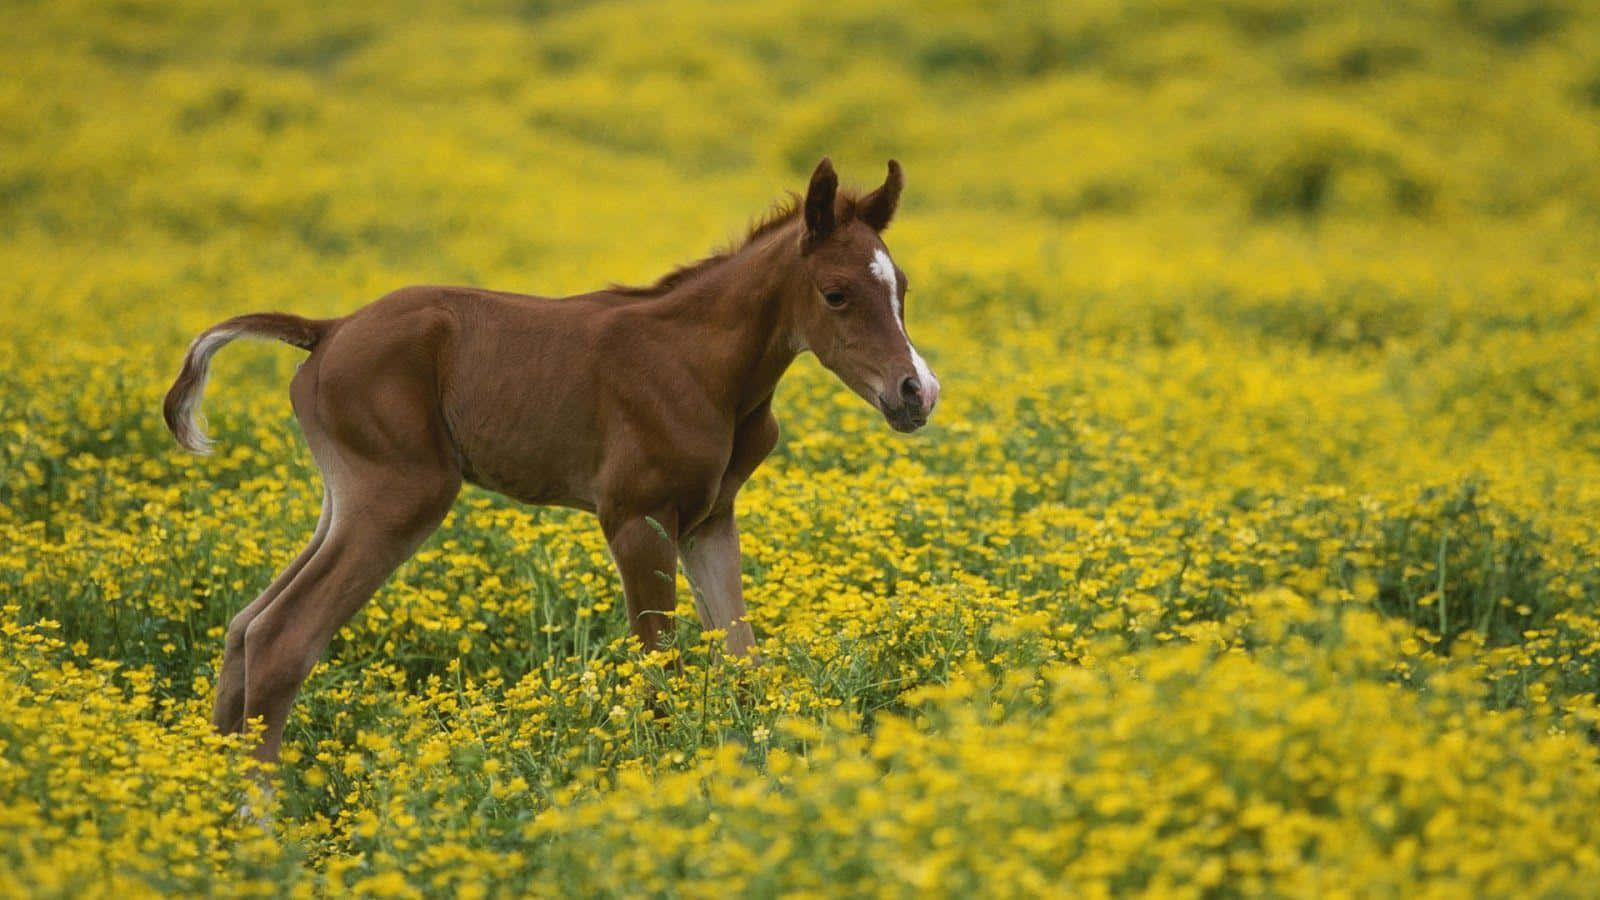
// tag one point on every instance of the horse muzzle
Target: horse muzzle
(904, 417)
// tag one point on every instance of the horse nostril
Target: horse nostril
(911, 390)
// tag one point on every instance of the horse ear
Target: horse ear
(878, 207)
(819, 205)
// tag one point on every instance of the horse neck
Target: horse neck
(738, 334)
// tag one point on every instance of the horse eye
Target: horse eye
(835, 299)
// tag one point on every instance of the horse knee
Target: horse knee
(237, 627)
(275, 663)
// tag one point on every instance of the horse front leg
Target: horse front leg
(711, 558)
(644, 548)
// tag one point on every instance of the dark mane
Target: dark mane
(780, 214)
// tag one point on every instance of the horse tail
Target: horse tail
(183, 400)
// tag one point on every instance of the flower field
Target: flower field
(1254, 547)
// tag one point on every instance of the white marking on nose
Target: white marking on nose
(883, 269)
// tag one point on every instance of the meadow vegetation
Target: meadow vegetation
(1253, 548)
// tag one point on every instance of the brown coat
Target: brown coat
(649, 407)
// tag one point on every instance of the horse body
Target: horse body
(649, 407)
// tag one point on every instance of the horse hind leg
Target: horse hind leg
(228, 711)
(379, 518)
(367, 402)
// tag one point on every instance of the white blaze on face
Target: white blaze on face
(883, 269)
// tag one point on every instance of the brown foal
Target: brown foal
(648, 406)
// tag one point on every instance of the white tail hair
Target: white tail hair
(183, 399)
